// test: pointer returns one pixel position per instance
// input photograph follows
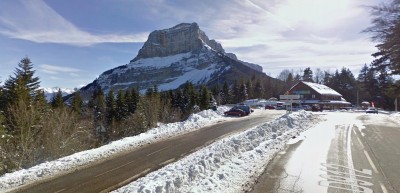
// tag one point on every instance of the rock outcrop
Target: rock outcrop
(182, 38)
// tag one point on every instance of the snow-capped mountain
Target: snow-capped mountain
(50, 92)
(173, 56)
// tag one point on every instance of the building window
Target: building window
(313, 96)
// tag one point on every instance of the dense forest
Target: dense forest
(33, 130)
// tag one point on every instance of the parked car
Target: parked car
(245, 108)
(235, 112)
(280, 107)
(372, 110)
(316, 108)
(307, 107)
(269, 107)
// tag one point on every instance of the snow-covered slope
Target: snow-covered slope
(174, 56)
(167, 72)
(50, 92)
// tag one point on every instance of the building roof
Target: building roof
(321, 89)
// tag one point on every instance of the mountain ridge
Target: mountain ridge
(171, 57)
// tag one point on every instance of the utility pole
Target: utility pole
(395, 104)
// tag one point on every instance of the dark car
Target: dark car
(245, 108)
(316, 108)
(372, 110)
(235, 112)
(269, 107)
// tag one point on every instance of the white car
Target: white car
(372, 110)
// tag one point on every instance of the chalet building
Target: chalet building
(318, 94)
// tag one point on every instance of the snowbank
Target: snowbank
(395, 117)
(72, 162)
(229, 165)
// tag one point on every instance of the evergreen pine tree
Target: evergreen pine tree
(189, 99)
(121, 106)
(226, 96)
(297, 78)
(236, 92)
(155, 90)
(372, 84)
(363, 74)
(290, 79)
(110, 107)
(40, 101)
(258, 90)
(99, 101)
(57, 101)
(149, 92)
(250, 89)
(140, 117)
(385, 30)
(23, 84)
(77, 102)
(385, 83)
(128, 101)
(363, 90)
(308, 75)
(204, 98)
(179, 100)
(135, 99)
(98, 104)
(243, 95)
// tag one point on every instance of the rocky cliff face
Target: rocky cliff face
(171, 57)
(180, 39)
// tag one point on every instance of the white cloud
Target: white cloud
(41, 24)
(296, 33)
(53, 69)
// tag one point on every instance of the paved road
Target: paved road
(269, 182)
(380, 143)
(125, 168)
(356, 162)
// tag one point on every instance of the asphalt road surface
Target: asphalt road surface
(124, 168)
(363, 161)
(379, 145)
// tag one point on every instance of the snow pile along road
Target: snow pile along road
(72, 162)
(395, 117)
(228, 165)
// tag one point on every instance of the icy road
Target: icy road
(348, 152)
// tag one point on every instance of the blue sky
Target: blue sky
(72, 42)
